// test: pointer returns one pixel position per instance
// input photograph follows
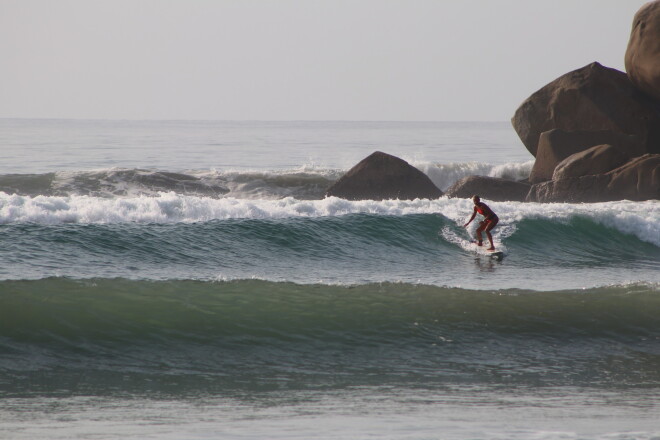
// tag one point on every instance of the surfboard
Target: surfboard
(498, 255)
(481, 250)
(470, 245)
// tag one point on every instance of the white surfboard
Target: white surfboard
(472, 246)
(498, 255)
(483, 250)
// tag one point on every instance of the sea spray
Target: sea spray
(444, 175)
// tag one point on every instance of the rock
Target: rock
(596, 160)
(585, 189)
(557, 145)
(638, 179)
(491, 188)
(382, 176)
(593, 98)
(642, 58)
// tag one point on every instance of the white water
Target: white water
(360, 414)
(636, 218)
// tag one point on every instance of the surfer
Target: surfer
(489, 222)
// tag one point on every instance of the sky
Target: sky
(363, 60)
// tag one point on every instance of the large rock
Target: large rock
(596, 160)
(643, 54)
(592, 98)
(585, 189)
(490, 188)
(382, 176)
(557, 145)
(639, 179)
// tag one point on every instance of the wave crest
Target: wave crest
(634, 218)
(304, 183)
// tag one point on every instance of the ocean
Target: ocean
(188, 280)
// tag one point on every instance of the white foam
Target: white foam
(171, 207)
(444, 175)
(636, 218)
(466, 242)
(512, 170)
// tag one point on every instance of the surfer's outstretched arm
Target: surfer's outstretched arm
(474, 213)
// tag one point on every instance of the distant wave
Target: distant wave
(304, 183)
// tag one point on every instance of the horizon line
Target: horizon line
(23, 118)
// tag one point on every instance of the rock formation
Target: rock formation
(490, 188)
(585, 189)
(596, 160)
(595, 134)
(556, 145)
(593, 98)
(638, 179)
(643, 54)
(595, 131)
(382, 176)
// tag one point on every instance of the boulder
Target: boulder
(638, 179)
(491, 188)
(585, 189)
(596, 160)
(642, 58)
(557, 145)
(592, 98)
(382, 176)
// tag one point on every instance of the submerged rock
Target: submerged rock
(382, 176)
(491, 188)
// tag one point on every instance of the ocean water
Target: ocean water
(188, 280)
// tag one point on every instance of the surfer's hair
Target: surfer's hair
(476, 197)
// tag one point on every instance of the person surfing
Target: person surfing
(487, 225)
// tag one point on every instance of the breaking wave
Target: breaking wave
(304, 183)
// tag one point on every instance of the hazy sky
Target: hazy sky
(473, 60)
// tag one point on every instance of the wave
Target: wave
(632, 218)
(68, 310)
(303, 183)
(306, 182)
(111, 335)
(341, 250)
(445, 175)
